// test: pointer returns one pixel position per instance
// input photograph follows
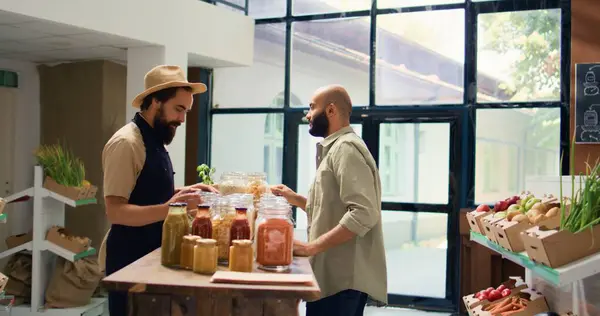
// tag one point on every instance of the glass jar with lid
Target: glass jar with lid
(205, 256)
(257, 186)
(223, 215)
(187, 251)
(240, 256)
(202, 223)
(233, 182)
(175, 226)
(240, 227)
(274, 236)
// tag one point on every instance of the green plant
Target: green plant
(205, 173)
(61, 165)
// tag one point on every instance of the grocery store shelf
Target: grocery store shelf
(12, 251)
(22, 196)
(564, 275)
(69, 255)
(73, 203)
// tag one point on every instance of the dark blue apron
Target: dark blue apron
(155, 185)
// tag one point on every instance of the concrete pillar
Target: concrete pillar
(139, 61)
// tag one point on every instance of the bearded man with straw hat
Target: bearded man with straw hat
(138, 174)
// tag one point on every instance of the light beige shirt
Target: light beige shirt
(347, 191)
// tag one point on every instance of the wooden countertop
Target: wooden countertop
(148, 275)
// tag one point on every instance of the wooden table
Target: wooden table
(158, 290)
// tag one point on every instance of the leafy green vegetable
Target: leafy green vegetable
(584, 210)
(205, 173)
(61, 165)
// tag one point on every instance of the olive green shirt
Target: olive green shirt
(347, 191)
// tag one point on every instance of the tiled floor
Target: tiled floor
(387, 311)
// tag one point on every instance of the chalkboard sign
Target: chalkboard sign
(587, 103)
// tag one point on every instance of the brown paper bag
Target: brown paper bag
(73, 283)
(19, 268)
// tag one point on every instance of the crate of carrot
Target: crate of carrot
(525, 303)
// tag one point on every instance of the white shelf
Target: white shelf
(97, 307)
(559, 277)
(60, 198)
(12, 251)
(28, 192)
(69, 255)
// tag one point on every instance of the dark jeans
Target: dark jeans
(344, 303)
(117, 303)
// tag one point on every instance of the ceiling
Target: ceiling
(29, 39)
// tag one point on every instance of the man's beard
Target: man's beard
(320, 125)
(164, 129)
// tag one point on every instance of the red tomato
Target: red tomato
(488, 290)
(494, 295)
(505, 292)
(501, 288)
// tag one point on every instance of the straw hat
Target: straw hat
(165, 76)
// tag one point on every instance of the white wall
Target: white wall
(216, 35)
(27, 139)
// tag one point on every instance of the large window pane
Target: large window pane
(512, 145)
(518, 57)
(412, 3)
(414, 162)
(241, 142)
(331, 52)
(420, 57)
(307, 165)
(259, 9)
(260, 85)
(328, 6)
(415, 249)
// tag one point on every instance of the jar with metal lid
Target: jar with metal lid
(240, 227)
(187, 251)
(240, 256)
(202, 224)
(175, 226)
(205, 256)
(233, 182)
(223, 215)
(274, 237)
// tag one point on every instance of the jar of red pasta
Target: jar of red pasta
(274, 237)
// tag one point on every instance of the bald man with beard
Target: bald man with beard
(343, 206)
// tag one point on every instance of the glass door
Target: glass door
(416, 159)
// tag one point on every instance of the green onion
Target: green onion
(61, 165)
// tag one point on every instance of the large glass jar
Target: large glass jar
(233, 182)
(274, 237)
(240, 227)
(223, 215)
(205, 256)
(202, 224)
(240, 256)
(257, 186)
(175, 226)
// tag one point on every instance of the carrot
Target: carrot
(501, 304)
(504, 309)
(513, 311)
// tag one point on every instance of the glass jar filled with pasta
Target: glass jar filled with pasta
(274, 237)
(223, 215)
(233, 182)
(257, 186)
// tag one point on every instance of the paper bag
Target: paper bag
(19, 268)
(73, 283)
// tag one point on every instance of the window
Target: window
(331, 51)
(420, 57)
(528, 69)
(507, 156)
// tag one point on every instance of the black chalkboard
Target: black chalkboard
(587, 103)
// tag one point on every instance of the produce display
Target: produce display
(61, 165)
(584, 208)
(508, 306)
(493, 294)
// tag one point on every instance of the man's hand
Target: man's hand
(292, 197)
(304, 249)
(198, 186)
(189, 196)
